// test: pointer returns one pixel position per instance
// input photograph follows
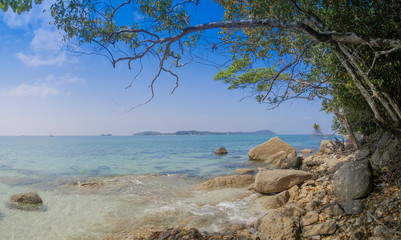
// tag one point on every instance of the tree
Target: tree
(316, 129)
(18, 6)
(280, 49)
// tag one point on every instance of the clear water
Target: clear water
(52, 166)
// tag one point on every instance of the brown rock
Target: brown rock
(309, 218)
(29, 201)
(244, 170)
(325, 146)
(275, 225)
(232, 181)
(275, 201)
(221, 151)
(306, 151)
(325, 228)
(292, 210)
(271, 181)
(265, 151)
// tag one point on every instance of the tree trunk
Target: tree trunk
(344, 120)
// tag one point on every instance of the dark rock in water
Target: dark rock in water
(351, 207)
(353, 180)
(29, 201)
(221, 151)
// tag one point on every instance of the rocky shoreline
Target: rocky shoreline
(330, 194)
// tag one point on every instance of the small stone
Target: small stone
(29, 201)
(378, 230)
(312, 205)
(325, 228)
(357, 235)
(309, 218)
(379, 213)
(334, 210)
(292, 210)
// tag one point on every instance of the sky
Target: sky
(45, 89)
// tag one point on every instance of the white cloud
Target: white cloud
(39, 59)
(46, 40)
(307, 118)
(35, 89)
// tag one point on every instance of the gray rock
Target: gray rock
(325, 228)
(272, 181)
(351, 207)
(292, 210)
(294, 162)
(220, 151)
(384, 140)
(353, 180)
(357, 235)
(362, 153)
(312, 205)
(334, 210)
(376, 160)
(29, 201)
(275, 225)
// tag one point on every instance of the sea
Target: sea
(147, 182)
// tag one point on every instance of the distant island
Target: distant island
(194, 132)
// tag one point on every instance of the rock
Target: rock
(275, 201)
(362, 153)
(353, 180)
(312, 205)
(293, 191)
(309, 218)
(325, 146)
(292, 210)
(357, 235)
(384, 140)
(351, 207)
(265, 151)
(244, 170)
(220, 151)
(178, 233)
(294, 162)
(325, 228)
(306, 151)
(276, 158)
(333, 210)
(29, 201)
(271, 181)
(275, 225)
(232, 181)
(376, 160)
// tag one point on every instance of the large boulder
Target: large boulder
(271, 151)
(29, 201)
(275, 225)
(272, 181)
(232, 181)
(326, 146)
(353, 180)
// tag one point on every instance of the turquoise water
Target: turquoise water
(46, 158)
(53, 165)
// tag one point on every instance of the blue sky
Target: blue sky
(45, 89)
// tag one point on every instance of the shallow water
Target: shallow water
(53, 166)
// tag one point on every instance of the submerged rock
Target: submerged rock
(244, 170)
(232, 181)
(29, 201)
(271, 151)
(220, 151)
(272, 181)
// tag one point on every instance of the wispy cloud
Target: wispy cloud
(35, 89)
(40, 60)
(49, 86)
(307, 118)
